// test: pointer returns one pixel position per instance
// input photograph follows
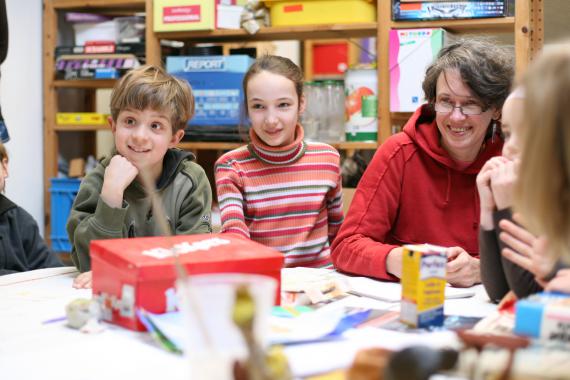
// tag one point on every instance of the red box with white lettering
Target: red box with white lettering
(140, 272)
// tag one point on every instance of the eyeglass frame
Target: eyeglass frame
(461, 108)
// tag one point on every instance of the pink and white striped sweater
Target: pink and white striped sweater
(288, 198)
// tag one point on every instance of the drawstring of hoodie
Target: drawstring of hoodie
(476, 208)
(448, 191)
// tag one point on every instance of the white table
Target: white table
(32, 349)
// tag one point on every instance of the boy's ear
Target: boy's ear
(112, 123)
(176, 137)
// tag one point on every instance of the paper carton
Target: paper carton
(423, 285)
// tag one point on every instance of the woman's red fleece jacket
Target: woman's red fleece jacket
(412, 192)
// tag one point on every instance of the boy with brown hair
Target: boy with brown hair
(149, 111)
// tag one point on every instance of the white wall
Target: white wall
(21, 101)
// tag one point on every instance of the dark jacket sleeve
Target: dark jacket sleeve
(495, 269)
(37, 252)
(492, 273)
(22, 246)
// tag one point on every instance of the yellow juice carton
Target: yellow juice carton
(423, 285)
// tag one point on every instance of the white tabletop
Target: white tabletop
(33, 349)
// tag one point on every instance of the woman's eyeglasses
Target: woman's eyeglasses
(467, 109)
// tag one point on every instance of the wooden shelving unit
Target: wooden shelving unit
(232, 145)
(85, 83)
(526, 25)
(81, 128)
(277, 33)
(53, 133)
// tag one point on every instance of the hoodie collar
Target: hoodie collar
(278, 155)
(421, 128)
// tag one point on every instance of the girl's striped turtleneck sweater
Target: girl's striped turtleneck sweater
(288, 198)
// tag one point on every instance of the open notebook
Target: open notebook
(295, 279)
(392, 291)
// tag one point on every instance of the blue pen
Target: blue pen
(54, 320)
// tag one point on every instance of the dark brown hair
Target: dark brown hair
(151, 87)
(3, 152)
(486, 68)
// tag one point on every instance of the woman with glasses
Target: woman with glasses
(420, 186)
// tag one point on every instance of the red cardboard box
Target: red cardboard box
(140, 272)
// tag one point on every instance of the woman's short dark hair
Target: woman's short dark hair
(486, 68)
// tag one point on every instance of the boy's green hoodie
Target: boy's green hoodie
(183, 187)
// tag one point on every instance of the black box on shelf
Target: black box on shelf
(403, 10)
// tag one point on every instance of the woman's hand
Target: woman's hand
(463, 270)
(525, 249)
(394, 262)
(83, 281)
(485, 191)
(560, 283)
(503, 179)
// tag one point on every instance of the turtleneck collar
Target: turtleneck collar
(279, 155)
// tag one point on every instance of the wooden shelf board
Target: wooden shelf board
(487, 25)
(85, 83)
(277, 33)
(98, 4)
(81, 128)
(348, 145)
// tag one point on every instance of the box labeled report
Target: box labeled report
(140, 272)
(216, 82)
(410, 53)
(423, 285)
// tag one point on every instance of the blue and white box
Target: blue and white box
(544, 316)
(217, 86)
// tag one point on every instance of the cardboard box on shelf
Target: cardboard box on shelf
(217, 85)
(181, 15)
(80, 118)
(313, 12)
(440, 9)
(178, 15)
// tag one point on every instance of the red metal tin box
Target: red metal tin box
(140, 272)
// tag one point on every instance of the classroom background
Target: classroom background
(22, 100)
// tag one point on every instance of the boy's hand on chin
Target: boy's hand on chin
(118, 176)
